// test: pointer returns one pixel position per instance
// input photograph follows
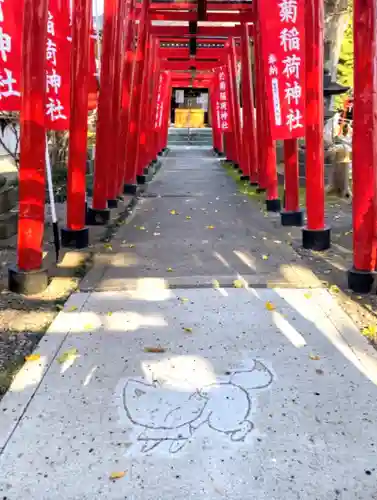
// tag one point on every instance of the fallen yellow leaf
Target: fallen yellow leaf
(308, 295)
(154, 349)
(334, 289)
(88, 326)
(216, 284)
(188, 217)
(270, 306)
(183, 299)
(141, 228)
(314, 357)
(210, 227)
(69, 355)
(117, 475)
(265, 257)
(73, 308)
(169, 270)
(370, 331)
(238, 284)
(33, 357)
(187, 330)
(173, 212)
(108, 246)
(109, 313)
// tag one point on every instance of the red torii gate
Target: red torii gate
(128, 141)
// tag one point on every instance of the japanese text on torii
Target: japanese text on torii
(290, 43)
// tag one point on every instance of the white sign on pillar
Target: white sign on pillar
(179, 96)
(204, 101)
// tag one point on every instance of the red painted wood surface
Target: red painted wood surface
(32, 146)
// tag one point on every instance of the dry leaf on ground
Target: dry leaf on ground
(370, 331)
(216, 284)
(155, 350)
(314, 357)
(270, 306)
(117, 475)
(69, 355)
(238, 284)
(33, 357)
(187, 329)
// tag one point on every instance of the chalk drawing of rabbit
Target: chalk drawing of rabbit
(167, 416)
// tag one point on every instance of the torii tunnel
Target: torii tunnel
(150, 47)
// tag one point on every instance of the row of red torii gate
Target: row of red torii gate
(146, 49)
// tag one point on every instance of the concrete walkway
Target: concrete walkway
(144, 392)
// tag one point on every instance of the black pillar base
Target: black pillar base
(96, 217)
(112, 203)
(27, 282)
(160, 153)
(130, 189)
(244, 178)
(147, 170)
(75, 239)
(360, 281)
(216, 151)
(260, 190)
(273, 205)
(141, 179)
(317, 240)
(292, 218)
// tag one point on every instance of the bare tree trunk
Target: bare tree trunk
(336, 19)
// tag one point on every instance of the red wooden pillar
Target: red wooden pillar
(145, 110)
(268, 158)
(113, 190)
(142, 151)
(248, 131)
(316, 235)
(230, 137)
(76, 235)
(28, 277)
(128, 73)
(166, 120)
(291, 215)
(259, 98)
(235, 104)
(153, 89)
(130, 185)
(99, 213)
(216, 134)
(364, 150)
